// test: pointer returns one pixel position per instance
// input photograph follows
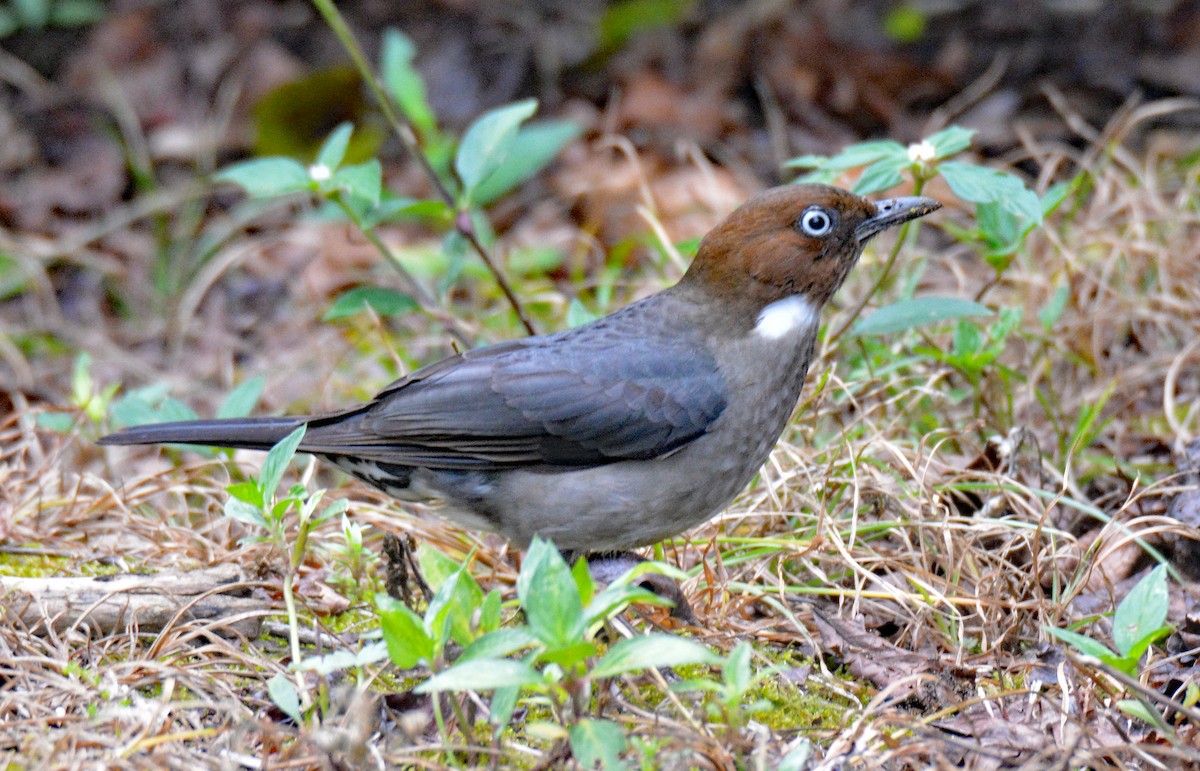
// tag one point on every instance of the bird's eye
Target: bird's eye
(816, 222)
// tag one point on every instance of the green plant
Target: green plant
(91, 403)
(36, 15)
(728, 706)
(256, 502)
(149, 404)
(498, 152)
(1006, 212)
(554, 657)
(1138, 621)
(975, 348)
(351, 556)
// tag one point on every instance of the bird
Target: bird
(621, 432)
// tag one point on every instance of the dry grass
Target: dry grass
(912, 535)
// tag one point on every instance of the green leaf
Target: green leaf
(34, 13)
(339, 661)
(656, 650)
(796, 758)
(81, 380)
(1141, 711)
(58, 422)
(1053, 309)
(247, 492)
(1056, 194)
(810, 161)
(452, 606)
(578, 314)
(968, 340)
(617, 597)
(1140, 646)
(905, 23)
(598, 741)
(504, 703)
(623, 19)
(242, 511)
(532, 150)
(487, 143)
(549, 596)
(861, 154)
(907, 314)
(454, 248)
(361, 180)
(481, 675)
(1141, 614)
(1000, 229)
(866, 153)
(1081, 643)
(950, 140)
(267, 177)
(498, 644)
(277, 461)
(340, 506)
(737, 672)
(880, 175)
(9, 23)
(569, 655)
(149, 404)
(982, 185)
(385, 302)
(489, 612)
(1088, 423)
(583, 580)
(408, 644)
(283, 692)
(436, 213)
(437, 566)
(76, 13)
(333, 151)
(241, 400)
(624, 591)
(405, 83)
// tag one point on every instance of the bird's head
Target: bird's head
(794, 240)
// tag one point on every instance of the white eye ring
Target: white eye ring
(816, 222)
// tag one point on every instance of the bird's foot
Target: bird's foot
(609, 566)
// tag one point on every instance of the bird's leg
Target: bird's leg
(607, 567)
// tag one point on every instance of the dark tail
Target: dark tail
(241, 433)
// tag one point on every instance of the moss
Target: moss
(26, 565)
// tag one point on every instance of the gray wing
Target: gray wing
(596, 394)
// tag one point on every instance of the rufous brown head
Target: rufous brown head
(794, 240)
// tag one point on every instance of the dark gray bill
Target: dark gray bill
(895, 211)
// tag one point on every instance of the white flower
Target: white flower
(319, 172)
(921, 152)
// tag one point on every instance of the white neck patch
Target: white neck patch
(785, 317)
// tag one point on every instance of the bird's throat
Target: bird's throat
(793, 314)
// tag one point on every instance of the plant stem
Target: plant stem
(403, 127)
(415, 287)
(883, 276)
(289, 603)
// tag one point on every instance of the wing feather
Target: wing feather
(599, 393)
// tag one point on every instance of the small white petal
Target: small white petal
(921, 152)
(319, 172)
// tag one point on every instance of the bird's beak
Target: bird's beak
(895, 211)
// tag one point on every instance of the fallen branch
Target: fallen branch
(151, 603)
